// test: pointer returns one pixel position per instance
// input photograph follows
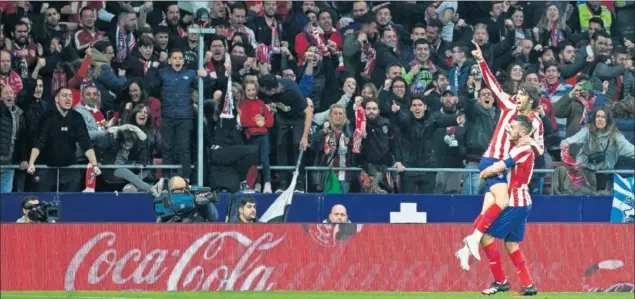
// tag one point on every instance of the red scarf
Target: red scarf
(618, 89)
(58, 80)
(360, 131)
(13, 79)
(368, 57)
(314, 38)
(588, 107)
(275, 40)
(550, 89)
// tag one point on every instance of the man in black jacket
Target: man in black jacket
(417, 128)
(60, 131)
(12, 137)
(380, 148)
(450, 144)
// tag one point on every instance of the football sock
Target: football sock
(488, 217)
(494, 257)
(518, 259)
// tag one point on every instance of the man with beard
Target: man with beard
(417, 127)
(450, 146)
(12, 137)
(23, 51)
(380, 149)
(587, 58)
(61, 130)
(482, 116)
(566, 55)
(438, 46)
(338, 215)
(88, 35)
(358, 51)
(293, 122)
(122, 38)
(8, 76)
(246, 211)
(384, 21)
(96, 123)
(618, 71)
(268, 28)
(440, 84)
(173, 22)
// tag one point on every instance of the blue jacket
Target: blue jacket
(175, 95)
(106, 82)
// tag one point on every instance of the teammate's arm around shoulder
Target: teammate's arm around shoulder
(503, 99)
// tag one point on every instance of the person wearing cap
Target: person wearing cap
(293, 119)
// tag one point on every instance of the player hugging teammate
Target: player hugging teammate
(517, 136)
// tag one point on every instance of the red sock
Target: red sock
(494, 257)
(488, 217)
(518, 258)
(91, 179)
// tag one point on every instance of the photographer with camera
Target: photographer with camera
(34, 211)
(183, 203)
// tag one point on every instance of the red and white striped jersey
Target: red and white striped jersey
(521, 162)
(499, 146)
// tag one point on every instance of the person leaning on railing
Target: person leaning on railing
(60, 131)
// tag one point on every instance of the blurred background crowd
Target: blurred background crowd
(385, 86)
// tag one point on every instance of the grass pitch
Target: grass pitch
(295, 295)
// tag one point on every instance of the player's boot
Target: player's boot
(464, 258)
(496, 287)
(472, 244)
(527, 291)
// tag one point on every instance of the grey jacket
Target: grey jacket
(604, 72)
(618, 147)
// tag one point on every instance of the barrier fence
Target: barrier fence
(301, 257)
(306, 169)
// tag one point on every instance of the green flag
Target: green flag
(332, 183)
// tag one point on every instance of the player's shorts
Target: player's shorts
(510, 224)
(491, 181)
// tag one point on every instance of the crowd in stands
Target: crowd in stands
(385, 86)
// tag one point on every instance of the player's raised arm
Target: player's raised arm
(503, 99)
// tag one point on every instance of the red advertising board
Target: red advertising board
(155, 257)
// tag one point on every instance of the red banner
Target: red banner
(155, 257)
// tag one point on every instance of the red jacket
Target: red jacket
(248, 111)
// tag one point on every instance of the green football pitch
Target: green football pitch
(295, 295)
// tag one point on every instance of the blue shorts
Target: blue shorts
(510, 224)
(491, 181)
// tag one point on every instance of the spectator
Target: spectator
(380, 150)
(246, 211)
(7, 75)
(387, 55)
(13, 137)
(602, 148)
(229, 156)
(433, 94)
(60, 130)
(268, 27)
(618, 71)
(449, 142)
(460, 70)
(126, 146)
(139, 61)
(421, 69)
(577, 106)
(358, 51)
(24, 51)
(123, 36)
(140, 116)
(52, 28)
(293, 119)
(176, 108)
(96, 122)
(257, 120)
(552, 28)
(385, 22)
(338, 215)
(417, 125)
(481, 116)
(321, 34)
(554, 88)
(88, 35)
(584, 12)
(237, 20)
(131, 96)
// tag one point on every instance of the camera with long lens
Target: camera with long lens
(43, 211)
(181, 207)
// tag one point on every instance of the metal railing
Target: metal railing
(306, 170)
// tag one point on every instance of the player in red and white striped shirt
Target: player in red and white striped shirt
(523, 103)
(511, 224)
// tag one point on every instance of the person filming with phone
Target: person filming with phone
(576, 106)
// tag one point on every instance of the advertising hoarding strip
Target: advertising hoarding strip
(352, 257)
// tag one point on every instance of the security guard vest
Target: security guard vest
(586, 14)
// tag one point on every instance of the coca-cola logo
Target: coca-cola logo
(198, 267)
